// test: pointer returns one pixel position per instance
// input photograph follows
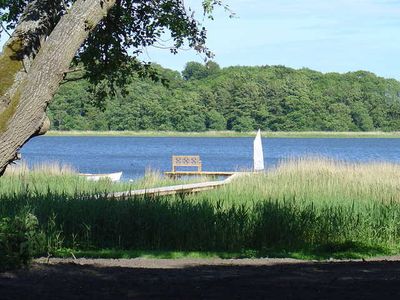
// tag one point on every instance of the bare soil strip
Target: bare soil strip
(204, 279)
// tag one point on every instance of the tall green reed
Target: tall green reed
(302, 204)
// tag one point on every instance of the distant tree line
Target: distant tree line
(206, 97)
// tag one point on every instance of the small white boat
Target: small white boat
(258, 154)
(96, 177)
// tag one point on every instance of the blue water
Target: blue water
(133, 155)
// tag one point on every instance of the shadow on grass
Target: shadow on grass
(346, 250)
(270, 228)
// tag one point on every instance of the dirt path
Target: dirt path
(204, 279)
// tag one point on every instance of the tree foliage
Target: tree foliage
(110, 53)
(237, 98)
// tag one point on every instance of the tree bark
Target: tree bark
(36, 22)
(25, 112)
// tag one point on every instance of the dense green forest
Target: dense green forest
(206, 97)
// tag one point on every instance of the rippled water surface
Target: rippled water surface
(133, 155)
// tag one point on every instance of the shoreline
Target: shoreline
(219, 134)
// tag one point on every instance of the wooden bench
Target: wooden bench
(186, 161)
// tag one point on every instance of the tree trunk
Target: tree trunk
(25, 112)
(35, 24)
(21, 48)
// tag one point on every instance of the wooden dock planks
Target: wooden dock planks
(176, 189)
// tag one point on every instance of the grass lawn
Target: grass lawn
(280, 134)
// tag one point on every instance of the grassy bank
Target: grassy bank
(64, 180)
(281, 134)
(309, 208)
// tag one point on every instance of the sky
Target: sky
(324, 35)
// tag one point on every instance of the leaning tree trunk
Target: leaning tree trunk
(36, 22)
(25, 112)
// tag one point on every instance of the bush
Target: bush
(19, 240)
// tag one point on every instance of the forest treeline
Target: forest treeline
(206, 97)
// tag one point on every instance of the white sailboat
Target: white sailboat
(258, 154)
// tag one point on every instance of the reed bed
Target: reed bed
(270, 134)
(63, 179)
(317, 180)
(309, 204)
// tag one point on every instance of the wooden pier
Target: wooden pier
(196, 173)
(177, 189)
(182, 161)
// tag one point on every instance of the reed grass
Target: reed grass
(310, 205)
(317, 180)
(64, 179)
(270, 134)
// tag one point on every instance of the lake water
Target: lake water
(133, 155)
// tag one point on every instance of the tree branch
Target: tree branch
(73, 70)
(65, 80)
(5, 30)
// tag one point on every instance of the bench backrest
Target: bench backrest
(186, 161)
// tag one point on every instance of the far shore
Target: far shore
(270, 134)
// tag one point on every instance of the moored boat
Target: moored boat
(96, 177)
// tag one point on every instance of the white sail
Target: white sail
(258, 154)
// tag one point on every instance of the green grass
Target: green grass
(309, 209)
(337, 251)
(280, 134)
(118, 253)
(54, 178)
(318, 181)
